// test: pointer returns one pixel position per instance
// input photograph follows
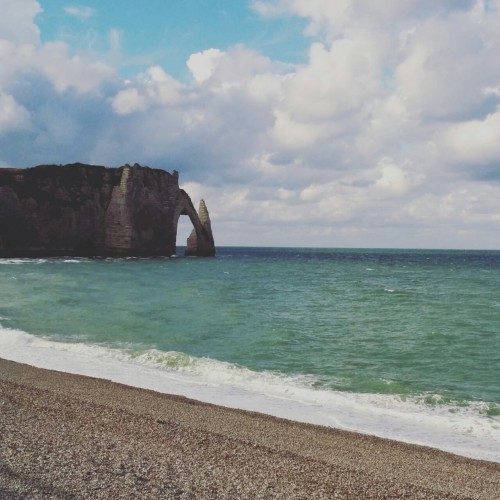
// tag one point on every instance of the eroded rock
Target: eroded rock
(88, 210)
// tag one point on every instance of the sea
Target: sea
(402, 344)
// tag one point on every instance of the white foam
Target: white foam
(464, 431)
(17, 262)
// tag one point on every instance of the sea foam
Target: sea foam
(18, 262)
(466, 431)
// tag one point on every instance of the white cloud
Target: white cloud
(129, 100)
(294, 135)
(447, 64)
(466, 205)
(21, 52)
(115, 41)
(17, 21)
(65, 71)
(393, 178)
(473, 142)
(82, 13)
(165, 89)
(13, 116)
(495, 91)
(267, 87)
(225, 71)
(266, 9)
(336, 81)
(202, 64)
(154, 87)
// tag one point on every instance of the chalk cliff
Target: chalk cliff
(195, 244)
(88, 210)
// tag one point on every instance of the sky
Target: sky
(324, 123)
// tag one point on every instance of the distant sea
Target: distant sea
(403, 344)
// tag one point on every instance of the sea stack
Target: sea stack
(204, 246)
(89, 210)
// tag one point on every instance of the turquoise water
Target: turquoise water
(407, 323)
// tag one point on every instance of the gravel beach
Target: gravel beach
(67, 436)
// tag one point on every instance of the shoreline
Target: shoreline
(472, 437)
(72, 436)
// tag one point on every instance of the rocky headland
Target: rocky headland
(89, 210)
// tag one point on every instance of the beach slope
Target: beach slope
(68, 436)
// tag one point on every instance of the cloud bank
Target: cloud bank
(386, 135)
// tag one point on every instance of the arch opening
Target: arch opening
(184, 229)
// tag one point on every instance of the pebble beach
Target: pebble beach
(68, 436)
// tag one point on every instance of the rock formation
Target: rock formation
(87, 210)
(202, 247)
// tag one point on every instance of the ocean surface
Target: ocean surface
(403, 344)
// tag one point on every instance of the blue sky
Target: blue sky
(331, 123)
(167, 32)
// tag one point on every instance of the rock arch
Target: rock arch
(201, 241)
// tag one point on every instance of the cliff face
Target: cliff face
(86, 210)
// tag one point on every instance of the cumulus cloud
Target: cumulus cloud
(153, 88)
(447, 65)
(13, 116)
(392, 178)
(65, 70)
(385, 135)
(202, 64)
(129, 100)
(17, 21)
(473, 142)
(23, 54)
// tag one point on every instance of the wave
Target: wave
(471, 430)
(20, 261)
